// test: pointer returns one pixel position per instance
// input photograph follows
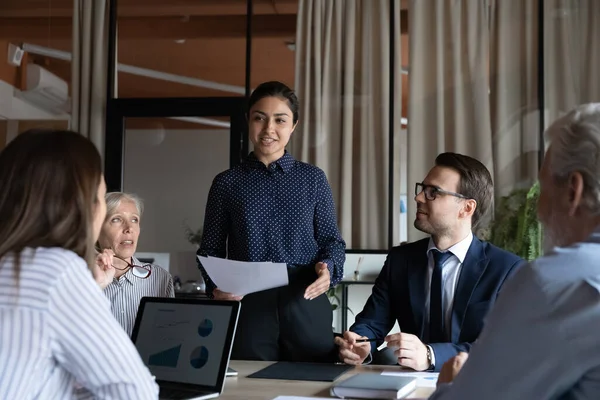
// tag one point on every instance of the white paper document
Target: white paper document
(424, 379)
(315, 398)
(242, 277)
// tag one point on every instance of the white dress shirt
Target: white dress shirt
(56, 328)
(541, 338)
(450, 273)
(126, 292)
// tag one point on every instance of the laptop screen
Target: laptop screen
(186, 340)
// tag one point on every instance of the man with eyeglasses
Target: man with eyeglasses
(439, 289)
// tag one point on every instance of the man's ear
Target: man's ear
(575, 187)
(469, 207)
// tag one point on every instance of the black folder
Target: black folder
(302, 371)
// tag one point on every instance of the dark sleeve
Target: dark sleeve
(445, 351)
(332, 248)
(216, 228)
(377, 317)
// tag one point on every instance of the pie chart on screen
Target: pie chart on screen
(205, 328)
(199, 357)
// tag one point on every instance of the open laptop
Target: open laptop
(186, 344)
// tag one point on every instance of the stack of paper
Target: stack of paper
(424, 379)
(242, 277)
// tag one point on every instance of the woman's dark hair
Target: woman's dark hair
(48, 193)
(276, 89)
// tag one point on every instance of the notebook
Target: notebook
(301, 371)
(186, 344)
(374, 386)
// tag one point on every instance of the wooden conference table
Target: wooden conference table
(241, 387)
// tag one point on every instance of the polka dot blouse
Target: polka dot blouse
(281, 213)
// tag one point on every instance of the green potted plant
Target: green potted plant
(334, 298)
(333, 293)
(193, 236)
(516, 227)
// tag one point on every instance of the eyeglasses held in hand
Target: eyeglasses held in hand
(139, 271)
(431, 192)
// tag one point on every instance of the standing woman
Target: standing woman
(56, 327)
(275, 208)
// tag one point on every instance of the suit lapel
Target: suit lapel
(472, 269)
(417, 275)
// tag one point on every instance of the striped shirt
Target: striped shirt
(56, 328)
(126, 292)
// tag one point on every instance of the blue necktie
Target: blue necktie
(437, 332)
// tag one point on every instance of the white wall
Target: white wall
(172, 171)
(406, 188)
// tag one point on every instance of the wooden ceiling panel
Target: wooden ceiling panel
(213, 49)
(150, 8)
(27, 28)
(191, 58)
(218, 60)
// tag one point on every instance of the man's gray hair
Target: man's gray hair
(114, 199)
(575, 147)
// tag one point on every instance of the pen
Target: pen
(369, 340)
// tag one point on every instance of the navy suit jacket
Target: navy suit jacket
(400, 293)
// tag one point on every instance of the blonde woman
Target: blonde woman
(133, 279)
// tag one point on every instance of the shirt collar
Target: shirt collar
(459, 250)
(285, 163)
(135, 261)
(126, 277)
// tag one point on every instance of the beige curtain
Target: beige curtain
(89, 69)
(343, 83)
(449, 108)
(515, 113)
(571, 55)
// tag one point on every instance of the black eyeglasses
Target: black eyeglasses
(139, 271)
(431, 192)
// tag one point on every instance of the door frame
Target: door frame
(119, 109)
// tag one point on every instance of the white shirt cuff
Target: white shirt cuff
(432, 355)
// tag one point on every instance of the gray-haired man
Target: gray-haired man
(541, 338)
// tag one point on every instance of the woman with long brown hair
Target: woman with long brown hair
(56, 327)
